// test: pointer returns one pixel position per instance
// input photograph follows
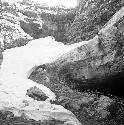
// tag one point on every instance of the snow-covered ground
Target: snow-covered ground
(18, 61)
(50, 3)
(66, 3)
(17, 65)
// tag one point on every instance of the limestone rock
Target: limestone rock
(91, 17)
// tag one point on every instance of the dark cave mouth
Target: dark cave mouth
(112, 86)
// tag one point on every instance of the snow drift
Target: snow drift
(18, 63)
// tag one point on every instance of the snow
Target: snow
(18, 61)
(50, 3)
(15, 69)
(66, 3)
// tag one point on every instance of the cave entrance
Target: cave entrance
(112, 86)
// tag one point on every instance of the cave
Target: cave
(111, 86)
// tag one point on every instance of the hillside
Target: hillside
(62, 66)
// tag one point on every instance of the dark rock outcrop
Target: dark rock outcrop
(36, 93)
(11, 34)
(100, 58)
(91, 17)
(33, 29)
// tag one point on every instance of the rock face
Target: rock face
(78, 66)
(11, 33)
(32, 21)
(33, 29)
(91, 17)
(101, 57)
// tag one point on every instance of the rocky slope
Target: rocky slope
(94, 66)
(33, 21)
(86, 67)
(91, 16)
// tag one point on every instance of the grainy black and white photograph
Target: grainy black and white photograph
(61, 62)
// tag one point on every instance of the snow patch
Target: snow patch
(14, 83)
(51, 3)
